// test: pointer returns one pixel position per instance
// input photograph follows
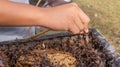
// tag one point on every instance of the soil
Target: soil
(54, 51)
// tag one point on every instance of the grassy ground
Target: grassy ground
(105, 16)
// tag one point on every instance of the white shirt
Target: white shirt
(12, 33)
(21, 1)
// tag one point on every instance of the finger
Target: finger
(86, 27)
(82, 32)
(79, 24)
(85, 20)
(74, 29)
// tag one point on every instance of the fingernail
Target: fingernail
(86, 30)
(81, 32)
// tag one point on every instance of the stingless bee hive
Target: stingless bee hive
(58, 50)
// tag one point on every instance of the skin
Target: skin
(64, 17)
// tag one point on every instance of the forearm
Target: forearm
(65, 17)
(17, 14)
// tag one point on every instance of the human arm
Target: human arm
(65, 17)
(18, 14)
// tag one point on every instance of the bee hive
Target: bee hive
(57, 50)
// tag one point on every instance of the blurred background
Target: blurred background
(104, 15)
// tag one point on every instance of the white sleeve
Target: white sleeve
(21, 1)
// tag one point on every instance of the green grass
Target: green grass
(105, 16)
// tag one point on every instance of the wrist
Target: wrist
(41, 19)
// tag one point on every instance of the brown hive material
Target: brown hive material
(3, 60)
(57, 50)
(55, 58)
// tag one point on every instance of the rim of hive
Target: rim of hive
(96, 34)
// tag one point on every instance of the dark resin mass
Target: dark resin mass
(55, 50)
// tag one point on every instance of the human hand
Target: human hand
(65, 17)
